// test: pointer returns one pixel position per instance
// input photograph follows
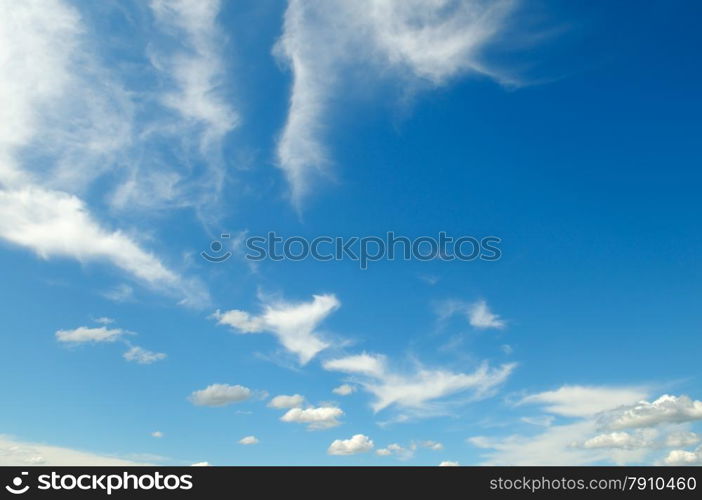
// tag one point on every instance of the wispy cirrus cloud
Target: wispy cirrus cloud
(408, 41)
(193, 112)
(583, 401)
(14, 452)
(422, 390)
(76, 119)
(57, 224)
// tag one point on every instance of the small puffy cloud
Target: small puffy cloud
(417, 390)
(480, 316)
(220, 395)
(143, 356)
(119, 293)
(477, 313)
(359, 443)
(432, 445)
(666, 409)
(293, 324)
(682, 457)
(344, 390)
(396, 450)
(449, 463)
(582, 401)
(285, 402)
(85, 334)
(104, 320)
(407, 452)
(157, 434)
(248, 440)
(320, 418)
(200, 464)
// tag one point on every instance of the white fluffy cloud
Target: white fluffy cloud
(293, 324)
(143, 356)
(408, 41)
(84, 334)
(616, 440)
(418, 389)
(157, 434)
(683, 457)
(359, 443)
(285, 402)
(248, 440)
(666, 409)
(220, 395)
(316, 418)
(449, 463)
(644, 438)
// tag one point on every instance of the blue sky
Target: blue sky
(135, 133)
